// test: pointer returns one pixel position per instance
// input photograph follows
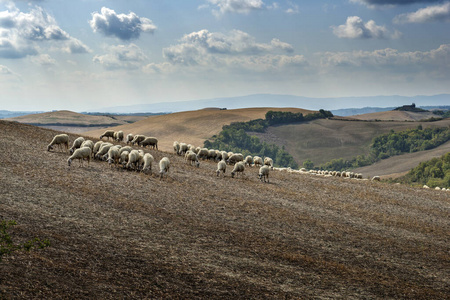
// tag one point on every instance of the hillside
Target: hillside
(323, 140)
(192, 127)
(120, 234)
(396, 115)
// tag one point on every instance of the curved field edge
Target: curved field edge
(119, 234)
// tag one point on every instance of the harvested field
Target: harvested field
(119, 234)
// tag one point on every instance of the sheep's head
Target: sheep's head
(49, 148)
(69, 161)
(197, 164)
(232, 174)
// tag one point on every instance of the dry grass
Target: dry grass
(120, 234)
(396, 116)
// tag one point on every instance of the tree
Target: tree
(308, 164)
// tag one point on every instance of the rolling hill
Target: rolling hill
(396, 116)
(120, 234)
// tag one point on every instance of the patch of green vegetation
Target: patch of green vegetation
(433, 173)
(7, 245)
(443, 113)
(391, 144)
(411, 108)
(234, 137)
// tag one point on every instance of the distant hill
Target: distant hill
(270, 100)
(396, 115)
(11, 114)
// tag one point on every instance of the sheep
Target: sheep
(126, 148)
(221, 167)
(150, 141)
(81, 154)
(239, 167)
(376, 178)
(212, 154)
(97, 146)
(176, 147)
(124, 158)
(248, 160)
(192, 158)
(257, 161)
(224, 155)
(108, 134)
(76, 144)
(104, 148)
(148, 160)
(113, 155)
(133, 159)
(137, 139)
(268, 162)
(118, 136)
(164, 165)
(88, 143)
(183, 148)
(263, 173)
(203, 153)
(236, 157)
(59, 139)
(130, 137)
(218, 155)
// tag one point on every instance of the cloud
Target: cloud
(5, 70)
(428, 14)
(235, 50)
(375, 3)
(128, 57)
(22, 34)
(124, 27)
(236, 6)
(43, 60)
(355, 28)
(293, 8)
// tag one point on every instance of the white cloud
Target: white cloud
(122, 26)
(428, 14)
(43, 60)
(5, 70)
(293, 8)
(355, 28)
(22, 34)
(236, 6)
(376, 3)
(122, 57)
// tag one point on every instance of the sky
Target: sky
(88, 54)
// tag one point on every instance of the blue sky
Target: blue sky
(88, 54)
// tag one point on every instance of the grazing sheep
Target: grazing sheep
(59, 139)
(108, 134)
(236, 157)
(76, 144)
(130, 137)
(133, 159)
(148, 160)
(218, 155)
(268, 162)
(126, 148)
(96, 148)
(248, 160)
(183, 149)
(150, 141)
(239, 167)
(118, 136)
(104, 148)
(376, 178)
(224, 155)
(137, 139)
(113, 156)
(264, 173)
(203, 153)
(80, 154)
(257, 161)
(212, 154)
(88, 143)
(164, 165)
(192, 158)
(221, 167)
(124, 158)
(176, 147)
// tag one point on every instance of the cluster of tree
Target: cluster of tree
(435, 172)
(278, 118)
(411, 107)
(393, 143)
(237, 140)
(443, 113)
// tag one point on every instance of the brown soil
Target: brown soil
(119, 234)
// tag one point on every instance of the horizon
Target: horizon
(85, 55)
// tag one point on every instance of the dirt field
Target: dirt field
(119, 234)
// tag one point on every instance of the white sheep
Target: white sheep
(108, 134)
(88, 143)
(133, 159)
(124, 158)
(224, 155)
(59, 139)
(130, 137)
(239, 167)
(248, 160)
(176, 147)
(221, 167)
(192, 158)
(148, 160)
(118, 136)
(264, 173)
(149, 141)
(126, 148)
(137, 139)
(268, 162)
(203, 153)
(76, 144)
(258, 161)
(183, 149)
(164, 165)
(97, 146)
(113, 156)
(234, 158)
(212, 154)
(104, 148)
(376, 178)
(80, 154)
